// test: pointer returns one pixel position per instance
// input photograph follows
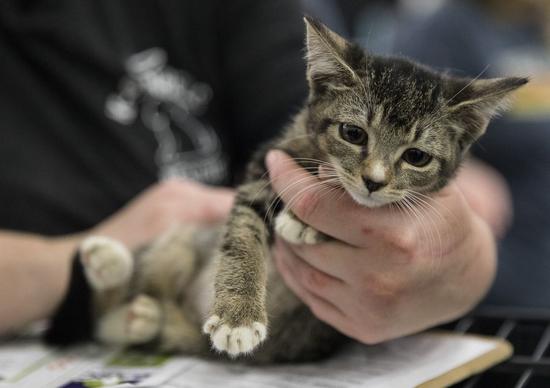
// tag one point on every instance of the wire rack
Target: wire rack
(528, 330)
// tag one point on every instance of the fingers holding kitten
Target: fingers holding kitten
(336, 216)
(306, 277)
(341, 218)
(317, 290)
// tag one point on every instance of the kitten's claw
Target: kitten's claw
(107, 263)
(234, 340)
(211, 324)
(295, 231)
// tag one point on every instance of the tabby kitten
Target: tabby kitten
(384, 126)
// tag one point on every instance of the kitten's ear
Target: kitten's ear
(327, 54)
(473, 103)
(488, 96)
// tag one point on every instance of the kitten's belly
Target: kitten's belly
(200, 294)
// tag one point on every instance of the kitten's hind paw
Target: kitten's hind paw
(133, 323)
(234, 340)
(107, 263)
(143, 320)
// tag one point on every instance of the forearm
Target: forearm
(34, 274)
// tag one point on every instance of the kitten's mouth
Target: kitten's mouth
(364, 198)
(368, 200)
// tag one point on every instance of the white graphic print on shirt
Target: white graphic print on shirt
(169, 102)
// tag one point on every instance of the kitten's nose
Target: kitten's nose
(372, 186)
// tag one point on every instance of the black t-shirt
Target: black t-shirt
(101, 98)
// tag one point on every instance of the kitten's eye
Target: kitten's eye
(353, 134)
(416, 157)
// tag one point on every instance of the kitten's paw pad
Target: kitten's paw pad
(107, 263)
(143, 320)
(295, 231)
(234, 340)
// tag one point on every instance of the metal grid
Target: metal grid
(528, 331)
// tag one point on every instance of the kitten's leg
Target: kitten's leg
(293, 230)
(178, 332)
(239, 321)
(108, 267)
(133, 323)
(169, 264)
(107, 263)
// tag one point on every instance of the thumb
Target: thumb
(218, 204)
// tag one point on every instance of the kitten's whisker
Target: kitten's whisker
(428, 209)
(332, 167)
(343, 192)
(329, 190)
(468, 84)
(405, 207)
(444, 114)
(418, 217)
(315, 161)
(429, 233)
(428, 200)
(314, 168)
(275, 203)
(278, 199)
(268, 181)
(345, 175)
(295, 137)
(297, 196)
(307, 168)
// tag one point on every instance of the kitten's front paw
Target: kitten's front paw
(237, 340)
(107, 263)
(295, 231)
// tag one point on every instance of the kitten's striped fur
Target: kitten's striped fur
(247, 308)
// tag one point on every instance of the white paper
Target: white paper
(405, 363)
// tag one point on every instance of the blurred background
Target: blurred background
(481, 38)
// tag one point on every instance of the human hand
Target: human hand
(164, 205)
(487, 193)
(386, 273)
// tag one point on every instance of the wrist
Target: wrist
(35, 274)
(60, 253)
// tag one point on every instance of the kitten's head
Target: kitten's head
(389, 126)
